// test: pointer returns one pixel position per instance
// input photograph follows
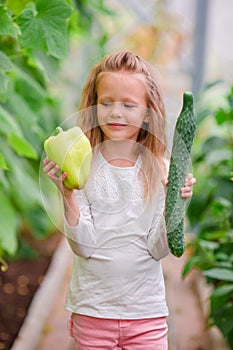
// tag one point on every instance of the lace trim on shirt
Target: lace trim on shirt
(114, 184)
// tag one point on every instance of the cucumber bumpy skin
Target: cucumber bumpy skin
(179, 165)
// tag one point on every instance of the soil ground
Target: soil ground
(19, 284)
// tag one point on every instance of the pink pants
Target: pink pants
(91, 333)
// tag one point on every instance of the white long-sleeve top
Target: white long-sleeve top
(118, 244)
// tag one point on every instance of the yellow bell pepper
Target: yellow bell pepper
(71, 150)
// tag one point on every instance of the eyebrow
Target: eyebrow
(109, 98)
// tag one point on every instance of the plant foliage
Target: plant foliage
(33, 37)
(210, 212)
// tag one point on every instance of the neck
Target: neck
(120, 152)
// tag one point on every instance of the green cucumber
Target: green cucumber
(178, 169)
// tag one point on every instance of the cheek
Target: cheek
(137, 118)
(101, 115)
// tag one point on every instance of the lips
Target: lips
(116, 125)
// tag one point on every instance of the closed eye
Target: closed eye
(125, 104)
(129, 105)
(106, 104)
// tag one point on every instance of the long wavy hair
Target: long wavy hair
(152, 136)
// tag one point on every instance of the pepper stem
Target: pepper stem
(58, 130)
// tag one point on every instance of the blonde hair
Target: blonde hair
(152, 136)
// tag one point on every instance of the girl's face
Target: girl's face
(121, 105)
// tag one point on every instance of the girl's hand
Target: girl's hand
(186, 191)
(51, 169)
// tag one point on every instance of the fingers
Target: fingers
(63, 176)
(186, 191)
(53, 171)
(46, 161)
(50, 168)
(190, 180)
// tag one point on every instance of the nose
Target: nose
(116, 111)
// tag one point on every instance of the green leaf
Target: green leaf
(4, 85)
(213, 143)
(17, 6)
(192, 262)
(222, 290)
(223, 318)
(4, 181)
(29, 89)
(26, 186)
(46, 28)
(38, 219)
(23, 181)
(28, 119)
(219, 274)
(5, 66)
(48, 65)
(5, 63)
(224, 264)
(8, 123)
(219, 301)
(224, 116)
(21, 146)
(210, 245)
(7, 26)
(8, 225)
(218, 156)
(3, 164)
(22, 109)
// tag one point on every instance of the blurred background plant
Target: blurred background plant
(210, 212)
(31, 52)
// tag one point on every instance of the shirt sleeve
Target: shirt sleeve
(157, 243)
(82, 237)
(157, 238)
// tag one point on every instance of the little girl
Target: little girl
(115, 224)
